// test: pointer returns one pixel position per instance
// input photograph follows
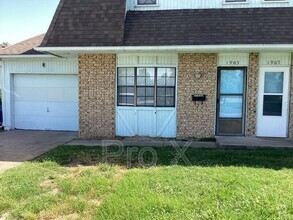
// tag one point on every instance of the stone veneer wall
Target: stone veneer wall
(291, 102)
(253, 73)
(196, 119)
(96, 95)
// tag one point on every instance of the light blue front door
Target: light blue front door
(231, 101)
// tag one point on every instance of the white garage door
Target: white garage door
(46, 102)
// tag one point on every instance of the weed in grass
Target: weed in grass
(104, 167)
(79, 205)
(29, 216)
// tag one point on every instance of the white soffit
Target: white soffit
(233, 59)
(275, 59)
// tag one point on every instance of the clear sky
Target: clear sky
(22, 19)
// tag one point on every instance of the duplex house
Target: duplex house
(158, 68)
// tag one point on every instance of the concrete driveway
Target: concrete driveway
(18, 146)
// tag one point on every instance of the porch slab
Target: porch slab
(248, 142)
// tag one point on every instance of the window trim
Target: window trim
(147, 5)
(155, 87)
(233, 3)
(274, 1)
(125, 86)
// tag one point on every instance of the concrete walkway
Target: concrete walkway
(141, 143)
(246, 142)
(18, 146)
(222, 142)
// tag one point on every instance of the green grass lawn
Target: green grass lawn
(74, 183)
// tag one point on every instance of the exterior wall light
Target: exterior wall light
(198, 75)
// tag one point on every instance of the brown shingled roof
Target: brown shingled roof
(24, 47)
(101, 23)
(87, 23)
(209, 27)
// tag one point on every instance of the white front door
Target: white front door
(273, 102)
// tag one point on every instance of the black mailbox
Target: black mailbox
(199, 98)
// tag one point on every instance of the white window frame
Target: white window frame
(236, 2)
(147, 5)
(274, 1)
(155, 86)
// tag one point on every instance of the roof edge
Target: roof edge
(53, 22)
(26, 56)
(184, 48)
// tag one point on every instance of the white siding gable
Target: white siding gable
(194, 4)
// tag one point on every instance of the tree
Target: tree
(5, 44)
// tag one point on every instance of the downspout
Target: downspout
(5, 110)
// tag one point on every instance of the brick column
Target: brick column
(96, 95)
(291, 102)
(253, 73)
(195, 120)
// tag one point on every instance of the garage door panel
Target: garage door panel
(56, 95)
(30, 109)
(63, 124)
(40, 123)
(30, 81)
(31, 122)
(40, 81)
(46, 102)
(62, 81)
(62, 95)
(71, 94)
(30, 94)
(62, 109)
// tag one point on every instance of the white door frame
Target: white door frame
(269, 126)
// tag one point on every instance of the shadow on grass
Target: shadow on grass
(132, 157)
